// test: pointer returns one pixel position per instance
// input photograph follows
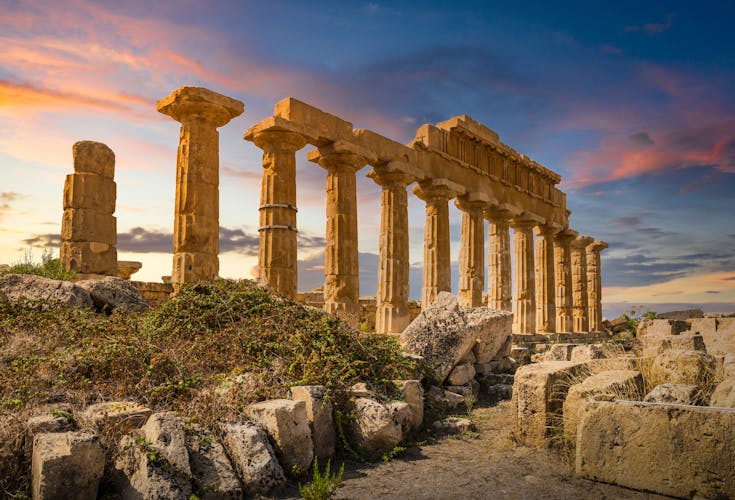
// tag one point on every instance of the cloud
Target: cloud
(653, 29)
(628, 222)
(713, 291)
(6, 198)
(49, 240)
(641, 139)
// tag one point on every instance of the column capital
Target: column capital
(581, 242)
(188, 103)
(526, 220)
(436, 190)
(332, 157)
(499, 213)
(596, 246)
(546, 230)
(389, 177)
(565, 236)
(278, 141)
(468, 205)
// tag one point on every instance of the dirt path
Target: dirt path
(491, 467)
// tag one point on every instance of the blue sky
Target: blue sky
(633, 103)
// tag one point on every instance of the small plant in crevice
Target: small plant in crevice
(323, 484)
(49, 267)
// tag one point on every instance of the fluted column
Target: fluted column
(471, 252)
(196, 219)
(594, 284)
(341, 266)
(391, 314)
(545, 293)
(437, 271)
(277, 254)
(499, 287)
(563, 279)
(524, 290)
(580, 308)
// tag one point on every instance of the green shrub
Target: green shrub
(323, 485)
(49, 267)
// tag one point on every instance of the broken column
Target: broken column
(88, 227)
(594, 284)
(580, 309)
(341, 266)
(277, 255)
(392, 295)
(563, 279)
(472, 249)
(545, 290)
(499, 286)
(524, 290)
(196, 218)
(437, 271)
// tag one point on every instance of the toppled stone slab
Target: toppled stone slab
(724, 394)
(470, 389)
(67, 465)
(26, 286)
(444, 399)
(164, 432)
(286, 423)
(453, 425)
(112, 293)
(319, 415)
(413, 394)
(654, 345)
(676, 366)
(253, 457)
(617, 384)
(123, 415)
(521, 355)
(682, 451)
(213, 475)
(684, 394)
(52, 419)
(588, 352)
(374, 427)
(445, 332)
(461, 374)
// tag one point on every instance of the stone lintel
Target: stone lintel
(467, 124)
(325, 126)
(187, 101)
(527, 219)
(597, 246)
(383, 149)
(582, 241)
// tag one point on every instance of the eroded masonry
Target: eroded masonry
(555, 282)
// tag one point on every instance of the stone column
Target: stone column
(341, 266)
(545, 292)
(499, 286)
(437, 270)
(524, 290)
(563, 279)
(88, 227)
(277, 254)
(391, 314)
(594, 284)
(580, 309)
(196, 219)
(471, 252)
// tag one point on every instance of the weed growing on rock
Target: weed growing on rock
(323, 485)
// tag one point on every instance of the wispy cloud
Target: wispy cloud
(653, 29)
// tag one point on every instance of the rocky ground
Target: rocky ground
(490, 466)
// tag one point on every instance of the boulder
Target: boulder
(374, 427)
(613, 384)
(588, 352)
(319, 415)
(453, 425)
(499, 392)
(684, 394)
(122, 415)
(164, 432)
(413, 394)
(470, 389)
(253, 457)
(444, 399)
(675, 450)
(676, 366)
(213, 475)
(445, 332)
(66, 465)
(560, 352)
(724, 394)
(19, 286)
(521, 355)
(114, 293)
(654, 345)
(286, 423)
(49, 423)
(461, 374)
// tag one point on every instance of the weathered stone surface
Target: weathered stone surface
(589, 352)
(444, 399)
(560, 352)
(374, 427)
(66, 465)
(89, 257)
(616, 384)
(213, 475)
(319, 415)
(403, 414)
(681, 315)
(721, 341)
(666, 327)
(165, 433)
(522, 355)
(684, 367)
(48, 423)
(453, 425)
(461, 374)
(92, 157)
(82, 225)
(685, 394)
(90, 191)
(122, 415)
(524, 283)
(489, 379)
(472, 388)
(253, 457)
(113, 293)
(653, 345)
(499, 392)
(18, 286)
(413, 394)
(286, 423)
(682, 451)
(445, 332)
(127, 268)
(724, 394)
(539, 391)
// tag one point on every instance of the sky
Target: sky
(633, 103)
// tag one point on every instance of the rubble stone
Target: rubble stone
(319, 415)
(253, 457)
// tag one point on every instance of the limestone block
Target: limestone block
(470, 389)
(499, 392)
(667, 327)
(682, 451)
(685, 394)
(286, 423)
(15, 287)
(589, 352)
(539, 391)
(461, 374)
(127, 268)
(684, 367)
(444, 399)
(90, 192)
(89, 257)
(195, 266)
(682, 315)
(615, 384)
(112, 293)
(402, 413)
(703, 325)
(93, 158)
(375, 427)
(522, 355)
(654, 345)
(724, 394)
(48, 423)
(325, 127)
(251, 453)
(82, 224)
(452, 425)
(165, 433)
(213, 474)
(122, 415)
(361, 390)
(445, 332)
(723, 340)
(413, 394)
(560, 352)
(319, 415)
(195, 235)
(496, 378)
(66, 465)
(469, 358)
